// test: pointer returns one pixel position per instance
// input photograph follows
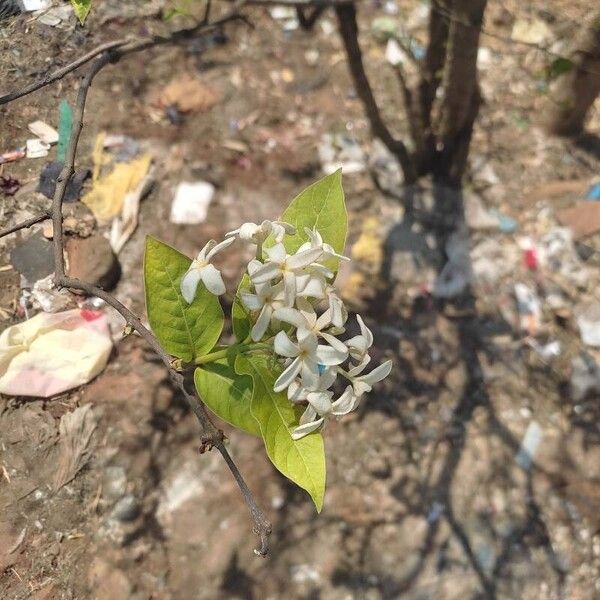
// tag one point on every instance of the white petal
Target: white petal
(289, 229)
(220, 246)
(204, 252)
(262, 324)
(360, 387)
(338, 312)
(309, 344)
(284, 346)
(232, 233)
(211, 278)
(310, 414)
(304, 258)
(326, 355)
(296, 393)
(365, 331)
(378, 373)
(288, 375)
(303, 430)
(266, 272)
(335, 343)
(189, 283)
(247, 231)
(250, 301)
(320, 401)
(328, 376)
(324, 320)
(314, 236)
(276, 253)
(310, 286)
(358, 347)
(345, 403)
(289, 287)
(291, 316)
(310, 374)
(360, 367)
(253, 266)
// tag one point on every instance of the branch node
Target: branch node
(210, 440)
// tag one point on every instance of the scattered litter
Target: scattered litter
(31, 5)
(582, 219)
(65, 125)
(546, 351)
(531, 257)
(187, 94)
(560, 256)
(52, 353)
(435, 512)
(528, 307)
(585, 377)
(12, 155)
(529, 445)
(126, 147)
(594, 192)
(47, 134)
(36, 148)
(75, 444)
(304, 573)
(533, 31)
(476, 215)
(9, 185)
(394, 54)
(588, 321)
(491, 261)
(368, 248)
(385, 169)
(125, 224)
(126, 509)
(106, 197)
(33, 258)
(49, 176)
(286, 15)
(312, 56)
(341, 151)
(191, 202)
(384, 28)
(457, 274)
(48, 298)
(56, 15)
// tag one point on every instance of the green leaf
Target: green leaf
(82, 9)
(321, 206)
(184, 330)
(227, 394)
(557, 67)
(303, 460)
(240, 318)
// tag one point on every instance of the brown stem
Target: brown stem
(346, 15)
(24, 224)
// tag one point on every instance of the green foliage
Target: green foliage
(82, 9)
(240, 318)
(321, 206)
(184, 330)
(227, 394)
(302, 461)
(558, 67)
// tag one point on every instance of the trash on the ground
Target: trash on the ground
(191, 202)
(107, 195)
(594, 192)
(286, 15)
(394, 54)
(9, 185)
(384, 28)
(583, 218)
(588, 321)
(546, 351)
(341, 151)
(312, 56)
(125, 224)
(92, 259)
(385, 169)
(52, 353)
(33, 258)
(49, 176)
(75, 445)
(506, 224)
(585, 377)
(45, 132)
(56, 15)
(558, 254)
(36, 148)
(492, 260)
(125, 147)
(368, 248)
(457, 274)
(533, 31)
(187, 94)
(531, 257)
(48, 298)
(12, 155)
(529, 445)
(31, 5)
(65, 125)
(528, 307)
(476, 215)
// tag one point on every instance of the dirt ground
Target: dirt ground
(425, 499)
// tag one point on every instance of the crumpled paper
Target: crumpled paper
(52, 353)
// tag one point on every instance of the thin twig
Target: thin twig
(24, 224)
(211, 435)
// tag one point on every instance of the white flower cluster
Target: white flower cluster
(284, 291)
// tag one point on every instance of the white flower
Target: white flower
(298, 393)
(316, 241)
(268, 298)
(280, 264)
(306, 357)
(359, 345)
(305, 319)
(339, 314)
(202, 270)
(364, 383)
(251, 232)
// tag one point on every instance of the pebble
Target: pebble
(92, 260)
(126, 509)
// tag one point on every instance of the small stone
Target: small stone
(126, 509)
(93, 261)
(379, 467)
(33, 258)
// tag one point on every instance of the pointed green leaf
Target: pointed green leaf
(184, 330)
(322, 206)
(302, 461)
(227, 394)
(240, 317)
(82, 9)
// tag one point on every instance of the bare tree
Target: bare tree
(573, 93)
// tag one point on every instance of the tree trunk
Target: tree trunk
(574, 92)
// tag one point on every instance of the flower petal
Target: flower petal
(288, 375)
(304, 258)
(289, 288)
(303, 430)
(266, 272)
(189, 283)
(220, 246)
(310, 374)
(291, 316)
(276, 253)
(211, 278)
(262, 323)
(365, 331)
(295, 392)
(360, 367)
(335, 343)
(346, 403)
(326, 355)
(247, 231)
(320, 401)
(284, 346)
(378, 373)
(250, 301)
